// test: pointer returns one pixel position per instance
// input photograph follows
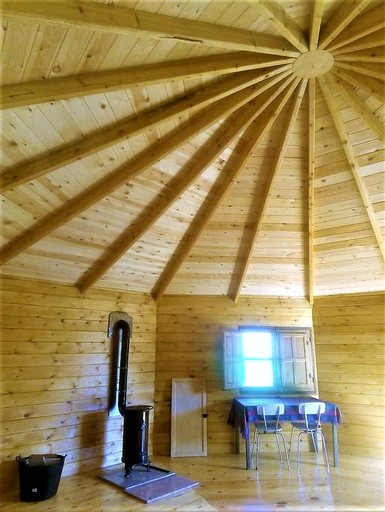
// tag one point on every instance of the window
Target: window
(269, 360)
(257, 350)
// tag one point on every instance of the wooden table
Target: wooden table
(244, 412)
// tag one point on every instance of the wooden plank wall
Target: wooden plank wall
(55, 373)
(189, 344)
(350, 347)
(55, 364)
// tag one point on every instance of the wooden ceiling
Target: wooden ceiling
(194, 146)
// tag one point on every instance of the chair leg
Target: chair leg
(258, 447)
(325, 450)
(285, 448)
(278, 445)
(291, 440)
(315, 443)
(299, 455)
(299, 450)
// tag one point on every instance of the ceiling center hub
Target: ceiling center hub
(313, 63)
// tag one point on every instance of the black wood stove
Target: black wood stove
(135, 417)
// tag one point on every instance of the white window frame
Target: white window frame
(293, 361)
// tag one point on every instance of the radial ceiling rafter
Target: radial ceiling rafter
(234, 125)
(310, 190)
(127, 172)
(86, 84)
(326, 85)
(231, 171)
(359, 104)
(276, 163)
(263, 66)
(125, 21)
(121, 130)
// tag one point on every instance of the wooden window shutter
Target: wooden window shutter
(233, 360)
(297, 369)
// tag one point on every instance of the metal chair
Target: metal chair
(270, 425)
(311, 426)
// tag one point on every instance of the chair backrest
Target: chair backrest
(273, 411)
(314, 409)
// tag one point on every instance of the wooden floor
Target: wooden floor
(225, 485)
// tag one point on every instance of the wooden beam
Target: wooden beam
(232, 169)
(351, 158)
(286, 132)
(311, 170)
(126, 172)
(371, 70)
(206, 155)
(119, 20)
(41, 91)
(276, 16)
(340, 19)
(369, 85)
(372, 40)
(355, 100)
(315, 24)
(372, 55)
(368, 22)
(122, 130)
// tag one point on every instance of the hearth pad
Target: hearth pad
(147, 483)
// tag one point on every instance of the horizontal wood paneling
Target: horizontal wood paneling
(55, 366)
(55, 373)
(189, 344)
(350, 347)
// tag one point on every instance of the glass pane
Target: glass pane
(259, 374)
(257, 344)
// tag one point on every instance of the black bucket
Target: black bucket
(39, 476)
